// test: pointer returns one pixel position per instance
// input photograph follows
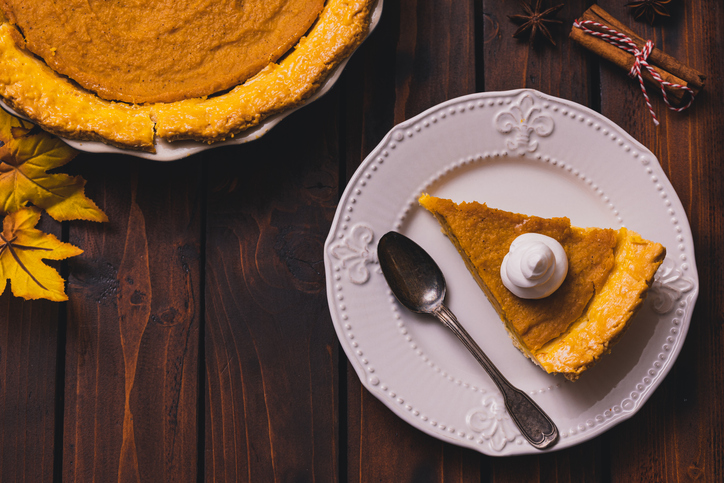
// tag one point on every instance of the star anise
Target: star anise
(535, 21)
(649, 9)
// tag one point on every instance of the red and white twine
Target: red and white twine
(624, 42)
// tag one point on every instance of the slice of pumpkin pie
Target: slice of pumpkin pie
(562, 325)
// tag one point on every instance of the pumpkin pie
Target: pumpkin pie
(609, 274)
(127, 74)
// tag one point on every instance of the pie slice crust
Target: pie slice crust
(610, 272)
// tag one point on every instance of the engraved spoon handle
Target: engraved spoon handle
(534, 424)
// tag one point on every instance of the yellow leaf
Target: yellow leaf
(22, 249)
(26, 154)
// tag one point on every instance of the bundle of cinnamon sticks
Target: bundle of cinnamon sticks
(670, 69)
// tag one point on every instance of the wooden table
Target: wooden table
(197, 343)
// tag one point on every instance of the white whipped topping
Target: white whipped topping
(535, 266)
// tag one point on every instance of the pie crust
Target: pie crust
(609, 274)
(61, 106)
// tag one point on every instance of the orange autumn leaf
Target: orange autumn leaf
(26, 154)
(22, 249)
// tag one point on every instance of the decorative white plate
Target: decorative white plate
(172, 151)
(520, 151)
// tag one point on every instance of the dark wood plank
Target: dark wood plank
(422, 53)
(510, 63)
(583, 463)
(29, 334)
(132, 343)
(676, 436)
(271, 349)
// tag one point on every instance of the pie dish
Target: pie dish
(565, 159)
(609, 275)
(34, 90)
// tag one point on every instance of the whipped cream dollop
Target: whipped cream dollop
(534, 267)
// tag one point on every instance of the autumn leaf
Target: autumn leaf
(22, 249)
(26, 154)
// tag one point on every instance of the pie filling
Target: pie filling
(609, 274)
(160, 50)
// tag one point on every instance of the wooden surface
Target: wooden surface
(197, 344)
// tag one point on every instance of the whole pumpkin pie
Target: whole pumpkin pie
(127, 72)
(609, 274)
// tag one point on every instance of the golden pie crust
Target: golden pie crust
(609, 274)
(60, 105)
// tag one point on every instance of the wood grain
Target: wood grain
(583, 463)
(28, 331)
(131, 365)
(511, 63)
(271, 349)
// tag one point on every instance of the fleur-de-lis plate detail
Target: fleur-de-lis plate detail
(669, 286)
(523, 119)
(354, 252)
(492, 422)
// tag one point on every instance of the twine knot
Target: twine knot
(640, 57)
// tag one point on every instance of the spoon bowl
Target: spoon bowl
(418, 281)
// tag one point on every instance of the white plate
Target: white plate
(171, 151)
(520, 151)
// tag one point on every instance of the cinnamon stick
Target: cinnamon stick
(670, 69)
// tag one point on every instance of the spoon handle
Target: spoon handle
(534, 424)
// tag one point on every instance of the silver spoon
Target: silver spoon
(419, 285)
